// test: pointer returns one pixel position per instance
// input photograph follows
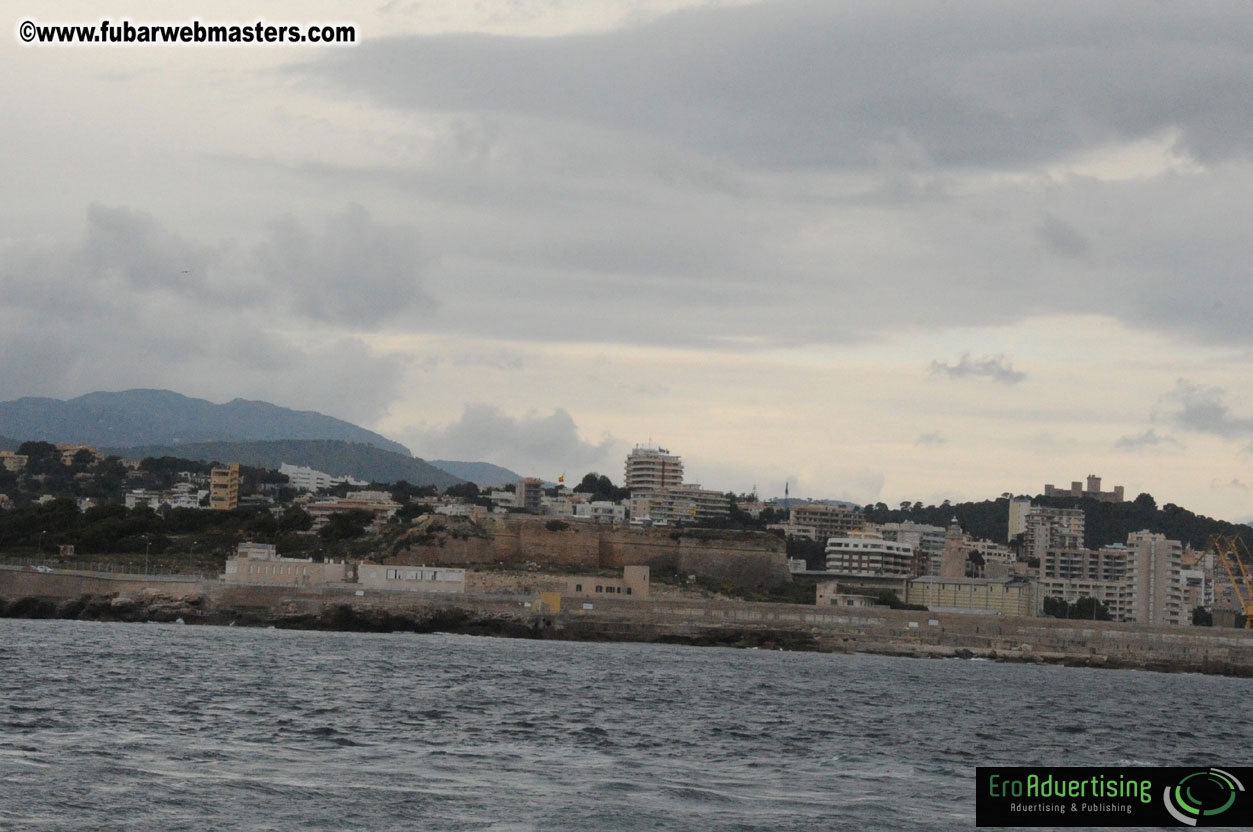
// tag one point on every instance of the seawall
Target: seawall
(731, 623)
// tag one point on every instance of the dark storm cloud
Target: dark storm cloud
(822, 84)
(997, 368)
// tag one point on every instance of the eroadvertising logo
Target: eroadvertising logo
(1113, 796)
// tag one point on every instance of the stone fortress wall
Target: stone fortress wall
(744, 558)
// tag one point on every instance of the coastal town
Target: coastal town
(544, 542)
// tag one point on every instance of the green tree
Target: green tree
(346, 525)
(464, 490)
(294, 519)
(600, 488)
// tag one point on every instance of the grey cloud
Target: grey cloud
(818, 84)
(531, 444)
(997, 368)
(1203, 410)
(353, 270)
(930, 440)
(1149, 439)
(1062, 238)
(136, 305)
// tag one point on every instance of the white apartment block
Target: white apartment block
(682, 503)
(652, 469)
(1141, 581)
(819, 521)
(1051, 528)
(869, 557)
(927, 541)
(1155, 575)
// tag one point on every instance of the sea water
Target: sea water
(166, 727)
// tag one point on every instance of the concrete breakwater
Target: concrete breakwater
(727, 623)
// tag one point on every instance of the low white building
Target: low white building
(411, 578)
(259, 563)
(142, 497)
(602, 511)
(307, 479)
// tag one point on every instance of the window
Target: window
(600, 589)
(628, 590)
(578, 587)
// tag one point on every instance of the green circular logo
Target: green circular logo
(1202, 795)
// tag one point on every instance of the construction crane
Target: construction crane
(1229, 549)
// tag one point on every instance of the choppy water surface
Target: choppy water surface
(164, 727)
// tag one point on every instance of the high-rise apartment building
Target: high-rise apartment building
(651, 469)
(1155, 576)
(1141, 581)
(1051, 528)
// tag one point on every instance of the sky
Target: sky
(877, 251)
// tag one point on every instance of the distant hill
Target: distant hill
(162, 417)
(333, 457)
(7, 444)
(482, 474)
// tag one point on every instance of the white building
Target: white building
(307, 479)
(1051, 528)
(411, 578)
(1141, 581)
(867, 556)
(1155, 576)
(678, 504)
(651, 469)
(142, 497)
(259, 563)
(927, 541)
(602, 511)
(820, 521)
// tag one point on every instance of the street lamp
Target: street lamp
(41, 541)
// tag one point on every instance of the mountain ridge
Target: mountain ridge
(482, 474)
(330, 456)
(148, 416)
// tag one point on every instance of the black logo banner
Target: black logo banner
(1114, 796)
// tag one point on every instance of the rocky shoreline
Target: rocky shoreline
(450, 618)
